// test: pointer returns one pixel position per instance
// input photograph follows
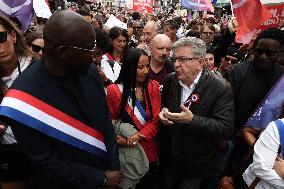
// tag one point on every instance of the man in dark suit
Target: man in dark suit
(58, 112)
(198, 115)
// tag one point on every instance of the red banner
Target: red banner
(277, 12)
(250, 14)
(142, 5)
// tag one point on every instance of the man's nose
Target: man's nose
(164, 51)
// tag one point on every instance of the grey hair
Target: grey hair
(197, 45)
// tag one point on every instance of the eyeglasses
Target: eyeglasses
(268, 52)
(91, 50)
(182, 59)
(3, 36)
(37, 48)
(233, 61)
(208, 33)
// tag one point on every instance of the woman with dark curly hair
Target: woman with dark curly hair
(112, 60)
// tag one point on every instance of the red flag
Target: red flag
(250, 15)
(142, 5)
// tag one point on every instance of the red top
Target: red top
(150, 127)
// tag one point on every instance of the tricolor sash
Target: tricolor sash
(139, 116)
(32, 112)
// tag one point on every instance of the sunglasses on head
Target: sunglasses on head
(3, 36)
(233, 61)
(268, 52)
(36, 48)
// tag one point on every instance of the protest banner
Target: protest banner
(200, 5)
(277, 11)
(113, 21)
(143, 5)
(270, 108)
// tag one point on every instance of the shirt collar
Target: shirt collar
(193, 83)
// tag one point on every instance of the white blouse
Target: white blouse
(265, 153)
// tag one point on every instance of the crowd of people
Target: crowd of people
(162, 104)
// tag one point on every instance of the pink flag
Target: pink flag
(250, 15)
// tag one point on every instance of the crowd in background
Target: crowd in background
(135, 67)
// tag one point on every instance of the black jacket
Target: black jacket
(191, 148)
(250, 87)
(56, 164)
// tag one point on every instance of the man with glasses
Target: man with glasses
(207, 34)
(58, 111)
(198, 114)
(251, 81)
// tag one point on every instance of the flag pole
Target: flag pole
(232, 10)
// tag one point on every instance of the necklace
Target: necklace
(139, 94)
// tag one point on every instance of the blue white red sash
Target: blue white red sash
(139, 117)
(32, 112)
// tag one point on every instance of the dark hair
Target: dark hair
(172, 23)
(84, 12)
(114, 33)
(233, 51)
(179, 20)
(194, 23)
(211, 27)
(21, 48)
(193, 34)
(30, 37)
(40, 20)
(271, 33)
(136, 16)
(127, 77)
(99, 21)
(102, 40)
(209, 50)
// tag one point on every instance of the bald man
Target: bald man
(159, 64)
(58, 112)
(150, 31)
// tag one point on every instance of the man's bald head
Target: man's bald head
(150, 31)
(161, 38)
(160, 48)
(69, 43)
(66, 28)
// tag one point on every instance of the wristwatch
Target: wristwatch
(105, 180)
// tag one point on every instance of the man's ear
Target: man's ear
(62, 53)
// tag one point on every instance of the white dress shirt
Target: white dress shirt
(186, 91)
(265, 153)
